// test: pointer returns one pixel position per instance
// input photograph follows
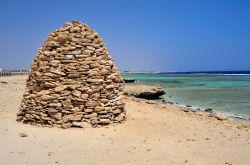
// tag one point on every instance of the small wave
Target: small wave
(236, 74)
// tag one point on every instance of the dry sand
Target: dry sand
(153, 134)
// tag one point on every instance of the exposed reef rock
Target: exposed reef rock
(144, 91)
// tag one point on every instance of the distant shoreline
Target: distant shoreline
(190, 72)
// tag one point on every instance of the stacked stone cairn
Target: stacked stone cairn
(73, 82)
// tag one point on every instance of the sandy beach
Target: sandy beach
(153, 133)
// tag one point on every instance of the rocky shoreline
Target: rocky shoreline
(203, 110)
(149, 92)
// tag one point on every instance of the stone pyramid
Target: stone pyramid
(73, 82)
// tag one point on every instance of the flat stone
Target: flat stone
(92, 104)
(75, 29)
(63, 38)
(55, 104)
(67, 103)
(78, 99)
(69, 56)
(110, 86)
(66, 125)
(84, 96)
(43, 92)
(104, 121)
(90, 48)
(50, 75)
(60, 88)
(88, 110)
(117, 111)
(57, 116)
(68, 61)
(82, 124)
(90, 115)
(76, 52)
(74, 75)
(76, 93)
(46, 97)
(49, 85)
(57, 71)
(72, 118)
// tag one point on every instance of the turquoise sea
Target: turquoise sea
(224, 93)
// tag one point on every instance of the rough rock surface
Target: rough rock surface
(73, 80)
(144, 91)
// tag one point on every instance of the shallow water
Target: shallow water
(229, 94)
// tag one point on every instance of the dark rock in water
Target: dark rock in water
(129, 80)
(188, 106)
(209, 110)
(198, 109)
(144, 91)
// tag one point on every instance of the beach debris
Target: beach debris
(3, 82)
(49, 153)
(207, 138)
(129, 80)
(22, 152)
(188, 110)
(151, 102)
(219, 116)
(244, 126)
(22, 134)
(185, 109)
(144, 91)
(73, 82)
(209, 110)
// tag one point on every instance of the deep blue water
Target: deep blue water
(224, 92)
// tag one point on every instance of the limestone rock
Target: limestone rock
(82, 124)
(144, 91)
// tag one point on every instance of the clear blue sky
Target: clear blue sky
(162, 35)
